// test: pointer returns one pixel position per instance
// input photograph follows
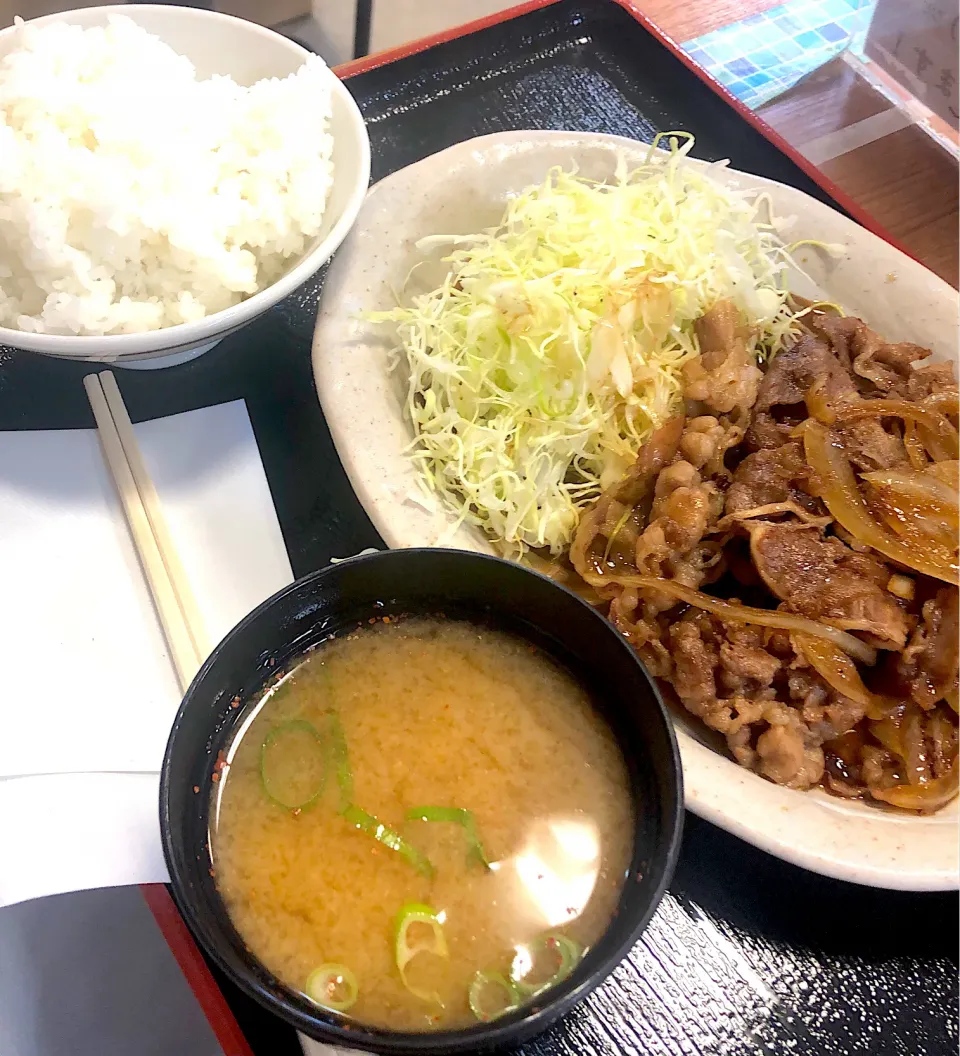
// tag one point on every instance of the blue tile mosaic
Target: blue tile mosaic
(764, 59)
(740, 68)
(722, 50)
(809, 40)
(788, 25)
(765, 54)
(787, 50)
(836, 8)
(833, 33)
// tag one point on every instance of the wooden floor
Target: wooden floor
(904, 180)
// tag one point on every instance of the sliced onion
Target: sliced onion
(843, 499)
(407, 946)
(884, 708)
(293, 767)
(914, 446)
(559, 951)
(935, 427)
(944, 402)
(926, 797)
(919, 495)
(817, 404)
(948, 471)
(834, 667)
(887, 731)
(939, 540)
(507, 998)
(786, 621)
(772, 509)
(913, 753)
(919, 507)
(940, 729)
(566, 577)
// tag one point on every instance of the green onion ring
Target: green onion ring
(404, 951)
(480, 982)
(340, 760)
(323, 983)
(568, 954)
(367, 823)
(272, 782)
(456, 816)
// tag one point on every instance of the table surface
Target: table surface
(746, 955)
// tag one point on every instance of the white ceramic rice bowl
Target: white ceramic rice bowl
(217, 43)
(463, 189)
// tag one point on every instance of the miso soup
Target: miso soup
(423, 824)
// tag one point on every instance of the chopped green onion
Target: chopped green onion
(292, 764)
(340, 760)
(457, 816)
(406, 947)
(551, 951)
(480, 988)
(372, 826)
(332, 986)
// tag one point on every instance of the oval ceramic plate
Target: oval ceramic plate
(463, 190)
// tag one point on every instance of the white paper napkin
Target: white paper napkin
(72, 832)
(88, 683)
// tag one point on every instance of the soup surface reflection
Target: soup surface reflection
(423, 824)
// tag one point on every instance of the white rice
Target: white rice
(134, 196)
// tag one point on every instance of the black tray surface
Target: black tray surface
(747, 955)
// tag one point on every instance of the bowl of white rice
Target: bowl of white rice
(167, 174)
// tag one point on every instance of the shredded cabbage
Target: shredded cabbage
(554, 346)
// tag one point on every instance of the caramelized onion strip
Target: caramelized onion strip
(818, 405)
(926, 797)
(914, 446)
(939, 540)
(771, 509)
(835, 667)
(948, 472)
(918, 494)
(887, 731)
(940, 437)
(726, 610)
(945, 402)
(843, 499)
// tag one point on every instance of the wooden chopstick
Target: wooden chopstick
(186, 659)
(151, 504)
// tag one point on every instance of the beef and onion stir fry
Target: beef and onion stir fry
(785, 557)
